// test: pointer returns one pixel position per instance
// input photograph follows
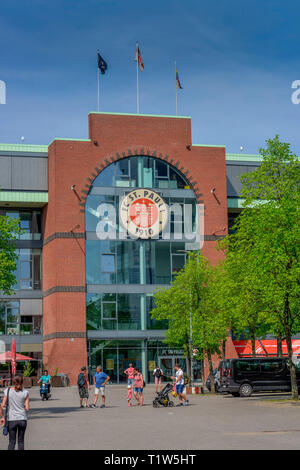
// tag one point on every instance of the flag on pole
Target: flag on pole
(138, 58)
(102, 65)
(178, 81)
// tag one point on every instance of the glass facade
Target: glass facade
(13, 323)
(122, 273)
(30, 222)
(28, 272)
(115, 357)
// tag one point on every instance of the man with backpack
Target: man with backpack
(83, 387)
(158, 373)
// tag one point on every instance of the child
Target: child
(129, 395)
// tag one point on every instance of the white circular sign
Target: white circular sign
(143, 213)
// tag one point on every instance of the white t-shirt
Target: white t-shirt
(16, 404)
(180, 373)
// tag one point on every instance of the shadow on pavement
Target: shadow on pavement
(45, 413)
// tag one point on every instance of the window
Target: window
(248, 366)
(141, 171)
(28, 272)
(113, 311)
(271, 366)
(12, 323)
(108, 263)
(30, 223)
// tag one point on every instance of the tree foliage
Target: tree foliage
(264, 251)
(191, 297)
(9, 231)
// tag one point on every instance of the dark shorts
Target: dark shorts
(138, 389)
(83, 392)
(179, 388)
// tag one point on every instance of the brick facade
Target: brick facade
(111, 137)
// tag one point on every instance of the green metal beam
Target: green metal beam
(24, 198)
(235, 203)
(244, 157)
(23, 148)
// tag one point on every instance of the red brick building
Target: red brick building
(96, 294)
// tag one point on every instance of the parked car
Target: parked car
(242, 377)
(216, 381)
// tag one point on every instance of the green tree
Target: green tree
(9, 231)
(267, 235)
(191, 297)
(239, 291)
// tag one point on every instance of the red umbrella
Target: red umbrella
(7, 357)
(13, 357)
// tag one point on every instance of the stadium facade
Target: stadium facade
(83, 298)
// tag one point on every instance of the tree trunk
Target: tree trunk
(287, 330)
(279, 345)
(202, 372)
(224, 349)
(211, 374)
(188, 356)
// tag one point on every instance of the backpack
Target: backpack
(158, 373)
(80, 380)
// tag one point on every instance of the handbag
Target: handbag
(5, 427)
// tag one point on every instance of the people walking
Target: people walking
(130, 375)
(138, 387)
(16, 399)
(83, 387)
(100, 379)
(158, 373)
(179, 385)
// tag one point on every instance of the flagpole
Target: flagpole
(176, 91)
(98, 82)
(98, 91)
(137, 84)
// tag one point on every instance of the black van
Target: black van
(241, 377)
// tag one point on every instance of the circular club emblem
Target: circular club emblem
(143, 213)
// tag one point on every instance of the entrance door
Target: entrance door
(167, 363)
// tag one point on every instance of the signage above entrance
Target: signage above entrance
(143, 213)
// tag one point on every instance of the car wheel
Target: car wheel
(246, 390)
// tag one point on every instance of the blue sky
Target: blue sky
(236, 60)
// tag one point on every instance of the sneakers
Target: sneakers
(180, 404)
(93, 406)
(186, 403)
(102, 406)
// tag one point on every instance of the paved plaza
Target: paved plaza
(210, 422)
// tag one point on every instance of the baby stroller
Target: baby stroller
(162, 398)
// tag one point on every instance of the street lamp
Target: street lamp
(191, 329)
